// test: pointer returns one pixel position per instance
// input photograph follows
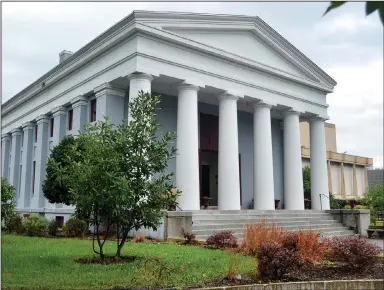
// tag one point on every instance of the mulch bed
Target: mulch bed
(323, 272)
(106, 261)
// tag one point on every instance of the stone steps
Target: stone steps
(210, 221)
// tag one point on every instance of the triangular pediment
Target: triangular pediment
(247, 45)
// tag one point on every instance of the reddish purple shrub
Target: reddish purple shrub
(358, 253)
(222, 240)
(189, 238)
(274, 260)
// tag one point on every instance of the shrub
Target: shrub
(359, 206)
(222, 240)
(347, 206)
(75, 227)
(139, 238)
(275, 260)
(14, 224)
(52, 228)
(35, 225)
(7, 200)
(189, 238)
(357, 253)
(258, 233)
(308, 243)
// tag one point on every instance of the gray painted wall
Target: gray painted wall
(167, 116)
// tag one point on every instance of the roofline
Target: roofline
(160, 14)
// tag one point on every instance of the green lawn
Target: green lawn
(44, 263)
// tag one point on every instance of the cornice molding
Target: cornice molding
(58, 111)
(42, 119)
(79, 101)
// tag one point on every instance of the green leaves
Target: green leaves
(370, 7)
(7, 195)
(333, 5)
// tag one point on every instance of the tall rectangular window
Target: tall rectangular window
(52, 122)
(70, 119)
(36, 133)
(93, 110)
(33, 177)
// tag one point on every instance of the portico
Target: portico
(257, 104)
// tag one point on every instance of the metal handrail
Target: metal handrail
(340, 206)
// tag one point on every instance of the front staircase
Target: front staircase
(207, 222)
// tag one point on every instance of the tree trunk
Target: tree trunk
(120, 246)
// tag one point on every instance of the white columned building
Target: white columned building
(226, 84)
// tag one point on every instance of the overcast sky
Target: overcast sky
(345, 43)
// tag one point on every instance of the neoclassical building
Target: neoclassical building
(232, 88)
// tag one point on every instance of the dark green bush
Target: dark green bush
(75, 227)
(14, 224)
(52, 228)
(36, 225)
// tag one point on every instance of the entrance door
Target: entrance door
(205, 180)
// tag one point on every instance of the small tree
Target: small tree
(7, 200)
(374, 199)
(120, 180)
(55, 190)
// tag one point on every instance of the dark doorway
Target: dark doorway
(205, 180)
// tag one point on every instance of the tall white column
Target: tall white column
(228, 175)
(319, 172)
(138, 82)
(187, 159)
(38, 200)
(14, 178)
(5, 151)
(293, 176)
(80, 114)
(26, 169)
(263, 187)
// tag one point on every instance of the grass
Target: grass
(45, 263)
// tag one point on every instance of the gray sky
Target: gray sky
(345, 43)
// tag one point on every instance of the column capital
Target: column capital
(60, 110)
(318, 118)
(184, 86)
(291, 112)
(5, 136)
(107, 88)
(228, 96)
(264, 104)
(80, 100)
(28, 126)
(16, 132)
(42, 119)
(139, 76)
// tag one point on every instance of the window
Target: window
(93, 110)
(35, 133)
(70, 118)
(33, 177)
(60, 221)
(51, 127)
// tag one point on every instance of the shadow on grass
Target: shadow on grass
(106, 261)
